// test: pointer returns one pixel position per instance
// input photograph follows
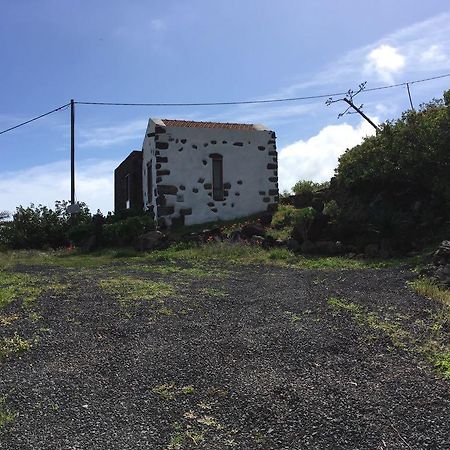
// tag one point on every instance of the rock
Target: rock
(308, 247)
(317, 204)
(302, 200)
(256, 240)
(442, 254)
(153, 240)
(235, 236)
(269, 242)
(293, 245)
(265, 219)
(252, 229)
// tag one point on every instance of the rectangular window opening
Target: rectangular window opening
(149, 182)
(127, 191)
(217, 167)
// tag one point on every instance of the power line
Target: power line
(36, 118)
(228, 103)
(251, 102)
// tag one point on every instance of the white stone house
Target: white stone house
(197, 172)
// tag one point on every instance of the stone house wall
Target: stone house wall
(131, 167)
(179, 159)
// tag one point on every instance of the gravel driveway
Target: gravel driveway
(247, 358)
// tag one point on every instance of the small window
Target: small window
(217, 168)
(149, 182)
(127, 191)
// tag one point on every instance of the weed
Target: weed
(341, 304)
(127, 288)
(169, 391)
(188, 390)
(212, 292)
(166, 391)
(15, 344)
(431, 289)
(6, 416)
(8, 320)
(442, 362)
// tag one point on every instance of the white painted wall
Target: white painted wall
(240, 163)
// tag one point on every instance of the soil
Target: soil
(256, 359)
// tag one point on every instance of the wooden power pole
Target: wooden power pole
(72, 152)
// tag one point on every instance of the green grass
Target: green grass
(169, 391)
(24, 287)
(432, 343)
(198, 256)
(431, 289)
(128, 289)
(6, 416)
(13, 345)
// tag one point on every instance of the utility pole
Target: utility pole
(410, 98)
(350, 103)
(72, 152)
(349, 100)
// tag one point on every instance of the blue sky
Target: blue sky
(179, 51)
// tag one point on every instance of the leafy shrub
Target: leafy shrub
(124, 232)
(308, 186)
(284, 217)
(399, 179)
(304, 218)
(40, 227)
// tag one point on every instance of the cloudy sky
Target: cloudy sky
(201, 51)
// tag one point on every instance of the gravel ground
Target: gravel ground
(255, 359)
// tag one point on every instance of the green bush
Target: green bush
(124, 232)
(285, 216)
(396, 184)
(308, 186)
(40, 227)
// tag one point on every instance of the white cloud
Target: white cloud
(316, 158)
(46, 183)
(105, 136)
(386, 61)
(434, 54)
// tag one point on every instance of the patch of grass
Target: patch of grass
(169, 391)
(13, 345)
(6, 416)
(431, 289)
(342, 304)
(212, 292)
(127, 288)
(24, 287)
(433, 340)
(442, 362)
(8, 320)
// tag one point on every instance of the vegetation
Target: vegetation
(433, 341)
(395, 184)
(6, 416)
(13, 345)
(431, 289)
(308, 186)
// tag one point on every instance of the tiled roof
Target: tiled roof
(192, 124)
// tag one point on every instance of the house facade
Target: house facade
(197, 172)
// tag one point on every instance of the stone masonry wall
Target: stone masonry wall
(182, 172)
(131, 166)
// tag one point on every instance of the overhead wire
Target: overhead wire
(225, 103)
(36, 118)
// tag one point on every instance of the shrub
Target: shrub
(308, 186)
(40, 227)
(124, 232)
(399, 178)
(284, 216)
(304, 218)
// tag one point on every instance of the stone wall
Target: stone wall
(181, 161)
(131, 166)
